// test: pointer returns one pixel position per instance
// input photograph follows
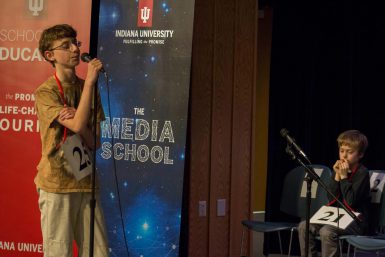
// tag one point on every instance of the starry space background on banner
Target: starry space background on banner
(141, 161)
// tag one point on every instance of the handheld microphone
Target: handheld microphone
(285, 134)
(86, 57)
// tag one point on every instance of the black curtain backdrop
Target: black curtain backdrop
(327, 76)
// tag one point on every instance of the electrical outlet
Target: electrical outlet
(221, 207)
(202, 208)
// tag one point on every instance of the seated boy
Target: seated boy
(350, 184)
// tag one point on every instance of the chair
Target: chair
(377, 241)
(293, 202)
(369, 244)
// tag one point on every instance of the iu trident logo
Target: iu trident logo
(36, 6)
(145, 13)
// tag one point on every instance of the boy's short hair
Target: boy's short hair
(354, 139)
(54, 33)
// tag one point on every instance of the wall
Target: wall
(221, 127)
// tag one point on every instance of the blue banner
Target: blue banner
(145, 46)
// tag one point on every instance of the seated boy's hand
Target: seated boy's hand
(341, 167)
(67, 113)
(336, 168)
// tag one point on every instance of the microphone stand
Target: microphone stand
(93, 174)
(312, 175)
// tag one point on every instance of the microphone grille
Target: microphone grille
(85, 57)
(284, 132)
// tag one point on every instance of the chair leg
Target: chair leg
(340, 245)
(280, 242)
(243, 236)
(348, 253)
(291, 239)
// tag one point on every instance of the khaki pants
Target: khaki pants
(65, 217)
(328, 235)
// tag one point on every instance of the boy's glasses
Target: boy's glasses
(66, 46)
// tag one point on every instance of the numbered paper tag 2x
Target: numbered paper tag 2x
(329, 215)
(78, 156)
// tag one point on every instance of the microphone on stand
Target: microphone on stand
(290, 152)
(291, 141)
(86, 57)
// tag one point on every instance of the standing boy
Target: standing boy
(64, 108)
(350, 184)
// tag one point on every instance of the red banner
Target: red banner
(145, 13)
(22, 70)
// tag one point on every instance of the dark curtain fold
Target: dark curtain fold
(327, 76)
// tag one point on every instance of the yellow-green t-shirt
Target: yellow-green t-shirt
(53, 173)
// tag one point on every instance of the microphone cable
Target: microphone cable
(114, 164)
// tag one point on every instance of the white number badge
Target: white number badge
(329, 215)
(78, 156)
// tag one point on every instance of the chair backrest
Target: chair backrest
(377, 206)
(293, 200)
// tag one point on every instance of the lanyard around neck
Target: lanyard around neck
(65, 104)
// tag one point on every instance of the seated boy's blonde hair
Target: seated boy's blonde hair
(354, 139)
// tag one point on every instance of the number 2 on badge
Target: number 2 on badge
(82, 162)
(329, 215)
